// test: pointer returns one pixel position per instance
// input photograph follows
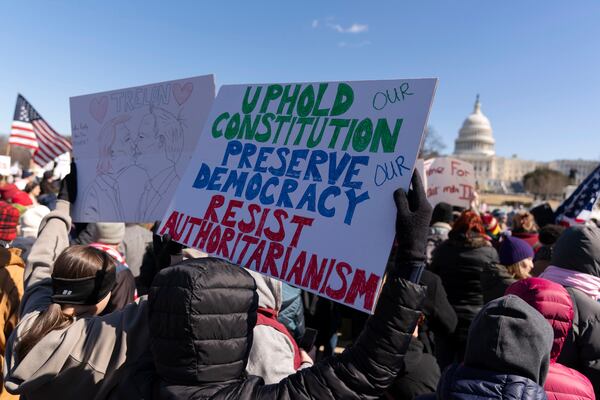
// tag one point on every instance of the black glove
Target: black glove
(412, 227)
(68, 186)
(164, 247)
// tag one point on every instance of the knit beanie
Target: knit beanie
(31, 220)
(489, 222)
(109, 232)
(512, 250)
(442, 212)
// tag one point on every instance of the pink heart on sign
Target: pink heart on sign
(98, 108)
(182, 93)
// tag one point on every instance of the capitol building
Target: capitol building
(476, 145)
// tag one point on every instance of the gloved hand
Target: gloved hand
(412, 227)
(68, 186)
(164, 247)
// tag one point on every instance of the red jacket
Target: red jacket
(555, 304)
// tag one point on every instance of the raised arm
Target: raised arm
(367, 368)
(52, 239)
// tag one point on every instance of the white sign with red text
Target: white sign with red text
(449, 180)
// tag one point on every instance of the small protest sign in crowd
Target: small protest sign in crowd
(214, 245)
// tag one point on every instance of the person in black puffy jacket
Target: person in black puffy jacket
(202, 312)
(507, 355)
(459, 262)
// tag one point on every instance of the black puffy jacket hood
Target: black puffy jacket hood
(201, 316)
(508, 336)
(578, 249)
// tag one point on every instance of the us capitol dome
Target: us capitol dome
(476, 145)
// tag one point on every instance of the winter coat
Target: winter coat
(578, 249)
(459, 382)
(202, 313)
(274, 354)
(92, 357)
(440, 317)
(555, 304)
(507, 355)
(11, 291)
(494, 281)
(419, 376)
(459, 264)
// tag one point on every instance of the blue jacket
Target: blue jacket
(459, 382)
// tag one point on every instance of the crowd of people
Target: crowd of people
(474, 305)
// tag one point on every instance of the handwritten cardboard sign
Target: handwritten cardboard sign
(132, 146)
(449, 180)
(295, 181)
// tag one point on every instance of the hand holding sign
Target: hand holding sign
(284, 182)
(412, 222)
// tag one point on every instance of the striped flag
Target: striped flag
(30, 130)
(578, 207)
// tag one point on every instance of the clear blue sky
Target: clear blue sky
(536, 64)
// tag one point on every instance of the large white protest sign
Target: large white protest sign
(295, 181)
(449, 180)
(132, 146)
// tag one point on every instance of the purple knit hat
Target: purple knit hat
(512, 250)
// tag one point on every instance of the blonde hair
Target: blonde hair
(516, 269)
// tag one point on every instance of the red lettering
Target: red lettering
(312, 276)
(247, 227)
(275, 252)
(171, 223)
(223, 249)
(249, 240)
(359, 287)
(202, 235)
(331, 264)
(301, 222)
(298, 269)
(213, 240)
(277, 236)
(261, 224)
(194, 222)
(256, 257)
(230, 213)
(215, 202)
(342, 270)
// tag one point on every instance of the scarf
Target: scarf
(588, 284)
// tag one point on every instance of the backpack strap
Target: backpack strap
(268, 317)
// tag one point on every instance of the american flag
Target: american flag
(578, 207)
(30, 130)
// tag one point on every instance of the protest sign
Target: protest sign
(132, 146)
(295, 181)
(5, 166)
(449, 180)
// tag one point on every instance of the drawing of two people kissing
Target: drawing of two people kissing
(136, 168)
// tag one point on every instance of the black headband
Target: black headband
(84, 291)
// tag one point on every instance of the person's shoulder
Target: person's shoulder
(588, 309)
(567, 381)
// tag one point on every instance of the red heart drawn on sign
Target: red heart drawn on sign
(98, 108)
(182, 93)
